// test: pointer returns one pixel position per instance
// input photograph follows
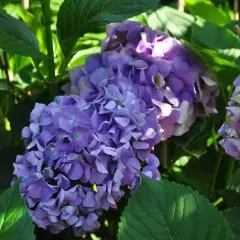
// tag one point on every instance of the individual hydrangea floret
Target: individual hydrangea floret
(231, 129)
(79, 156)
(180, 85)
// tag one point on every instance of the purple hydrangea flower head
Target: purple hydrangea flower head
(79, 155)
(179, 85)
(231, 128)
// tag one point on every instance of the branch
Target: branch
(47, 17)
(181, 5)
(237, 30)
(236, 9)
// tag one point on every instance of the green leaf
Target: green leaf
(17, 38)
(208, 11)
(77, 17)
(170, 20)
(80, 57)
(233, 217)
(162, 210)
(15, 223)
(17, 62)
(216, 38)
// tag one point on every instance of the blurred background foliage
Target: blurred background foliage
(195, 159)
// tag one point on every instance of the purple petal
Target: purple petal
(76, 171)
(122, 121)
(89, 200)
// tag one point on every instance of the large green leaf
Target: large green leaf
(161, 210)
(15, 223)
(233, 217)
(207, 10)
(77, 17)
(17, 38)
(171, 20)
(219, 39)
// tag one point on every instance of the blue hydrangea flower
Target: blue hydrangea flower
(179, 85)
(80, 154)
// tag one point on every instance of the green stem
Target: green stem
(6, 69)
(218, 201)
(215, 173)
(164, 161)
(215, 139)
(47, 17)
(36, 65)
(230, 170)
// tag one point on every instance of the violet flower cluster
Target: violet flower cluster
(231, 128)
(179, 84)
(84, 149)
(80, 155)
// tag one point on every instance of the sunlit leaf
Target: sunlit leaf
(163, 210)
(208, 11)
(171, 20)
(17, 38)
(80, 57)
(219, 39)
(15, 223)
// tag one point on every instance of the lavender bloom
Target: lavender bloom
(179, 85)
(231, 129)
(80, 154)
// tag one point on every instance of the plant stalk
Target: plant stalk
(230, 170)
(237, 30)
(47, 17)
(25, 4)
(6, 69)
(236, 9)
(218, 201)
(181, 5)
(215, 173)
(164, 160)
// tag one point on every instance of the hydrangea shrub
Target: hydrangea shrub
(82, 149)
(116, 105)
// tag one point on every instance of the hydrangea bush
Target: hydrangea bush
(119, 120)
(122, 102)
